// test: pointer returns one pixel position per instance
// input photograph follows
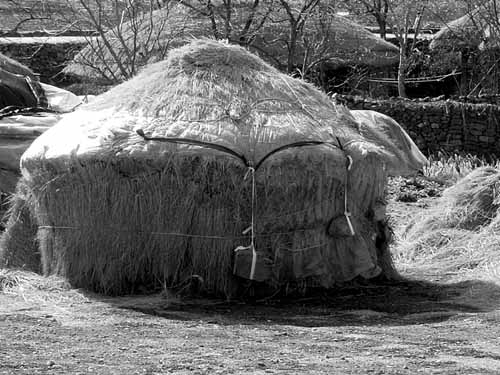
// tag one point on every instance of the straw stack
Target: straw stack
(235, 142)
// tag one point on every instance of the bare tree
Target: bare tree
(474, 39)
(128, 35)
(404, 18)
(237, 21)
(297, 14)
(411, 21)
(28, 12)
(482, 26)
(125, 34)
(295, 35)
(377, 9)
(267, 26)
(316, 45)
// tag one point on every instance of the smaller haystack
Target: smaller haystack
(210, 165)
(462, 230)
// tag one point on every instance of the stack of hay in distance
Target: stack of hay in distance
(115, 211)
(265, 29)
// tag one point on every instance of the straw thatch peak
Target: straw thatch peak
(206, 54)
(206, 61)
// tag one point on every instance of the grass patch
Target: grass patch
(449, 169)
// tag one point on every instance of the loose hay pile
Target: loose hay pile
(462, 232)
(241, 156)
(18, 245)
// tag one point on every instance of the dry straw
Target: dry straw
(18, 246)
(460, 234)
(115, 211)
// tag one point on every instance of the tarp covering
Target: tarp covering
(22, 120)
(20, 91)
(12, 66)
(402, 154)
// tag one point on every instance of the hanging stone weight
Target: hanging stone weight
(243, 258)
(339, 227)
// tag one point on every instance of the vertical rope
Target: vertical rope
(252, 243)
(347, 213)
(251, 228)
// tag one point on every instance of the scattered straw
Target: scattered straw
(18, 245)
(34, 288)
(459, 235)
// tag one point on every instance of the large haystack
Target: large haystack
(265, 29)
(159, 180)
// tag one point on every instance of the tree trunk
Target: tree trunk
(464, 65)
(382, 25)
(292, 47)
(402, 72)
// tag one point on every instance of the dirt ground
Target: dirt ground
(426, 324)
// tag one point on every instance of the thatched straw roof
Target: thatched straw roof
(340, 41)
(12, 66)
(156, 180)
(346, 43)
(473, 30)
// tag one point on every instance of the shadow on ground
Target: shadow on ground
(403, 303)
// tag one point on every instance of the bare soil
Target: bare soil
(426, 324)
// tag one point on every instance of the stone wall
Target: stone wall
(444, 125)
(45, 59)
